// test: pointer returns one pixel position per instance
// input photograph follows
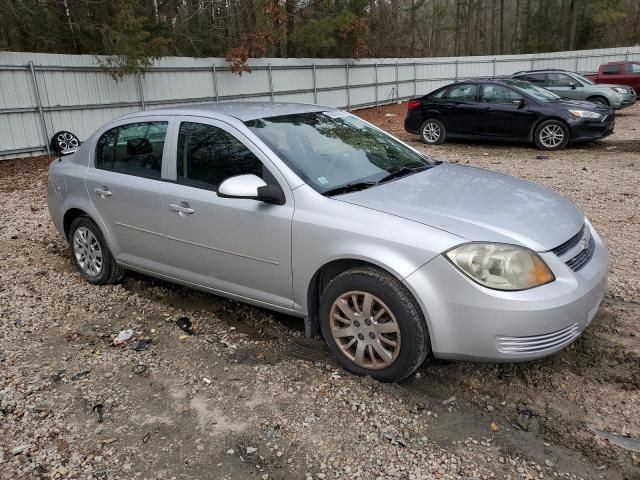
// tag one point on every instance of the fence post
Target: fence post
(376, 81)
(215, 82)
(397, 84)
(39, 102)
(532, 60)
(140, 91)
(626, 55)
(415, 79)
(315, 85)
(576, 64)
(270, 83)
(348, 92)
(456, 75)
(495, 60)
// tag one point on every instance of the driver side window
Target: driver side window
(208, 155)
(559, 80)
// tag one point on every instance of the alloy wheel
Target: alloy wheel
(66, 141)
(87, 251)
(431, 132)
(365, 330)
(551, 136)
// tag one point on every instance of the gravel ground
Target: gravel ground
(247, 396)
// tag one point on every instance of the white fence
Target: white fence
(43, 93)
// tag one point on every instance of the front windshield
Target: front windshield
(583, 79)
(536, 92)
(332, 149)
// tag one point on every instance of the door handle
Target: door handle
(182, 209)
(102, 191)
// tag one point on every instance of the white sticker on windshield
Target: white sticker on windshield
(323, 180)
(336, 114)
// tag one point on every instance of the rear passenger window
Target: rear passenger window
(208, 155)
(462, 93)
(134, 149)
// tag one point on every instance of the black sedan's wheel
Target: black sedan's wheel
(433, 132)
(63, 141)
(373, 325)
(91, 253)
(551, 135)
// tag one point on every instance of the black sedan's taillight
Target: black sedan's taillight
(411, 104)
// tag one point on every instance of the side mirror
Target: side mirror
(572, 85)
(250, 187)
(519, 102)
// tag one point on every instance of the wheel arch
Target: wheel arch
(545, 119)
(591, 98)
(331, 269)
(69, 216)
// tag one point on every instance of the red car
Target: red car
(624, 73)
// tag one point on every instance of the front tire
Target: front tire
(372, 325)
(433, 132)
(551, 135)
(599, 100)
(91, 254)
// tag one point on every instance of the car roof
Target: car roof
(243, 111)
(498, 81)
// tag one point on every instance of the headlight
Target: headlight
(584, 114)
(619, 89)
(501, 266)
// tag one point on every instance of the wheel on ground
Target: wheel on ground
(91, 253)
(63, 141)
(551, 135)
(433, 132)
(372, 325)
(599, 100)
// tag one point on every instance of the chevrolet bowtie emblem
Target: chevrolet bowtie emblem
(583, 244)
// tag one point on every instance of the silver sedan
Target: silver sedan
(311, 211)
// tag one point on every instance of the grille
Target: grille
(581, 259)
(538, 343)
(569, 244)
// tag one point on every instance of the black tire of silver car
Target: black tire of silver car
(433, 132)
(63, 141)
(372, 325)
(91, 254)
(551, 135)
(599, 100)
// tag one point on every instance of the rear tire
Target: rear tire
(551, 135)
(91, 254)
(433, 132)
(372, 325)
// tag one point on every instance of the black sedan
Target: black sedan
(505, 109)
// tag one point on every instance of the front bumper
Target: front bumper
(584, 130)
(468, 321)
(628, 100)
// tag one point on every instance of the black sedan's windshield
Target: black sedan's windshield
(536, 92)
(334, 149)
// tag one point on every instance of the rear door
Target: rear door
(460, 109)
(502, 116)
(124, 183)
(236, 246)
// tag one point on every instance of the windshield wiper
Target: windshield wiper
(349, 187)
(403, 172)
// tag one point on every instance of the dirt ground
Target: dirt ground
(247, 396)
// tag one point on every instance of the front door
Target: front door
(502, 115)
(124, 183)
(564, 86)
(236, 246)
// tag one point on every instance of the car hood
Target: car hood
(584, 105)
(477, 205)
